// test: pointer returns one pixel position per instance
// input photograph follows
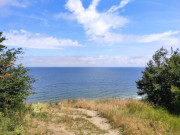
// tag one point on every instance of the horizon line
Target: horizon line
(79, 67)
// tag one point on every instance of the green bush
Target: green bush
(15, 83)
(160, 82)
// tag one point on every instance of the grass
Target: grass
(13, 121)
(131, 117)
(23, 118)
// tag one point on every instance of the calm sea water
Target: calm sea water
(72, 83)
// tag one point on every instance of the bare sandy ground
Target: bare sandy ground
(100, 122)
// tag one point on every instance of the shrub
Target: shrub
(15, 83)
(160, 82)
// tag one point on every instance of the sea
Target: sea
(61, 83)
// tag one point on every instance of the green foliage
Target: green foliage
(13, 121)
(15, 83)
(160, 78)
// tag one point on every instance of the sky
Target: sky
(90, 33)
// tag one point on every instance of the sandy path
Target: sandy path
(100, 122)
(59, 130)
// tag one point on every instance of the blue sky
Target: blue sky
(90, 33)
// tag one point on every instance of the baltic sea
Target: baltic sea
(61, 83)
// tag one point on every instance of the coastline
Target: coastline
(34, 101)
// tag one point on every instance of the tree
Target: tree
(160, 82)
(15, 83)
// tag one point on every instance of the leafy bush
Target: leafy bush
(15, 83)
(161, 79)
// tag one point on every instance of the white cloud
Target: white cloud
(122, 4)
(96, 24)
(157, 37)
(168, 38)
(16, 3)
(85, 61)
(26, 39)
(100, 26)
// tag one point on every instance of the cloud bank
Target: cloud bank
(85, 61)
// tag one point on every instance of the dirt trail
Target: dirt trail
(100, 122)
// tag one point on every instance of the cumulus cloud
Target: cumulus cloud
(26, 39)
(122, 4)
(96, 24)
(16, 3)
(85, 61)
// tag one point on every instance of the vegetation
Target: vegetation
(133, 117)
(37, 119)
(161, 79)
(129, 117)
(15, 83)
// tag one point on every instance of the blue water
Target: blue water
(55, 84)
